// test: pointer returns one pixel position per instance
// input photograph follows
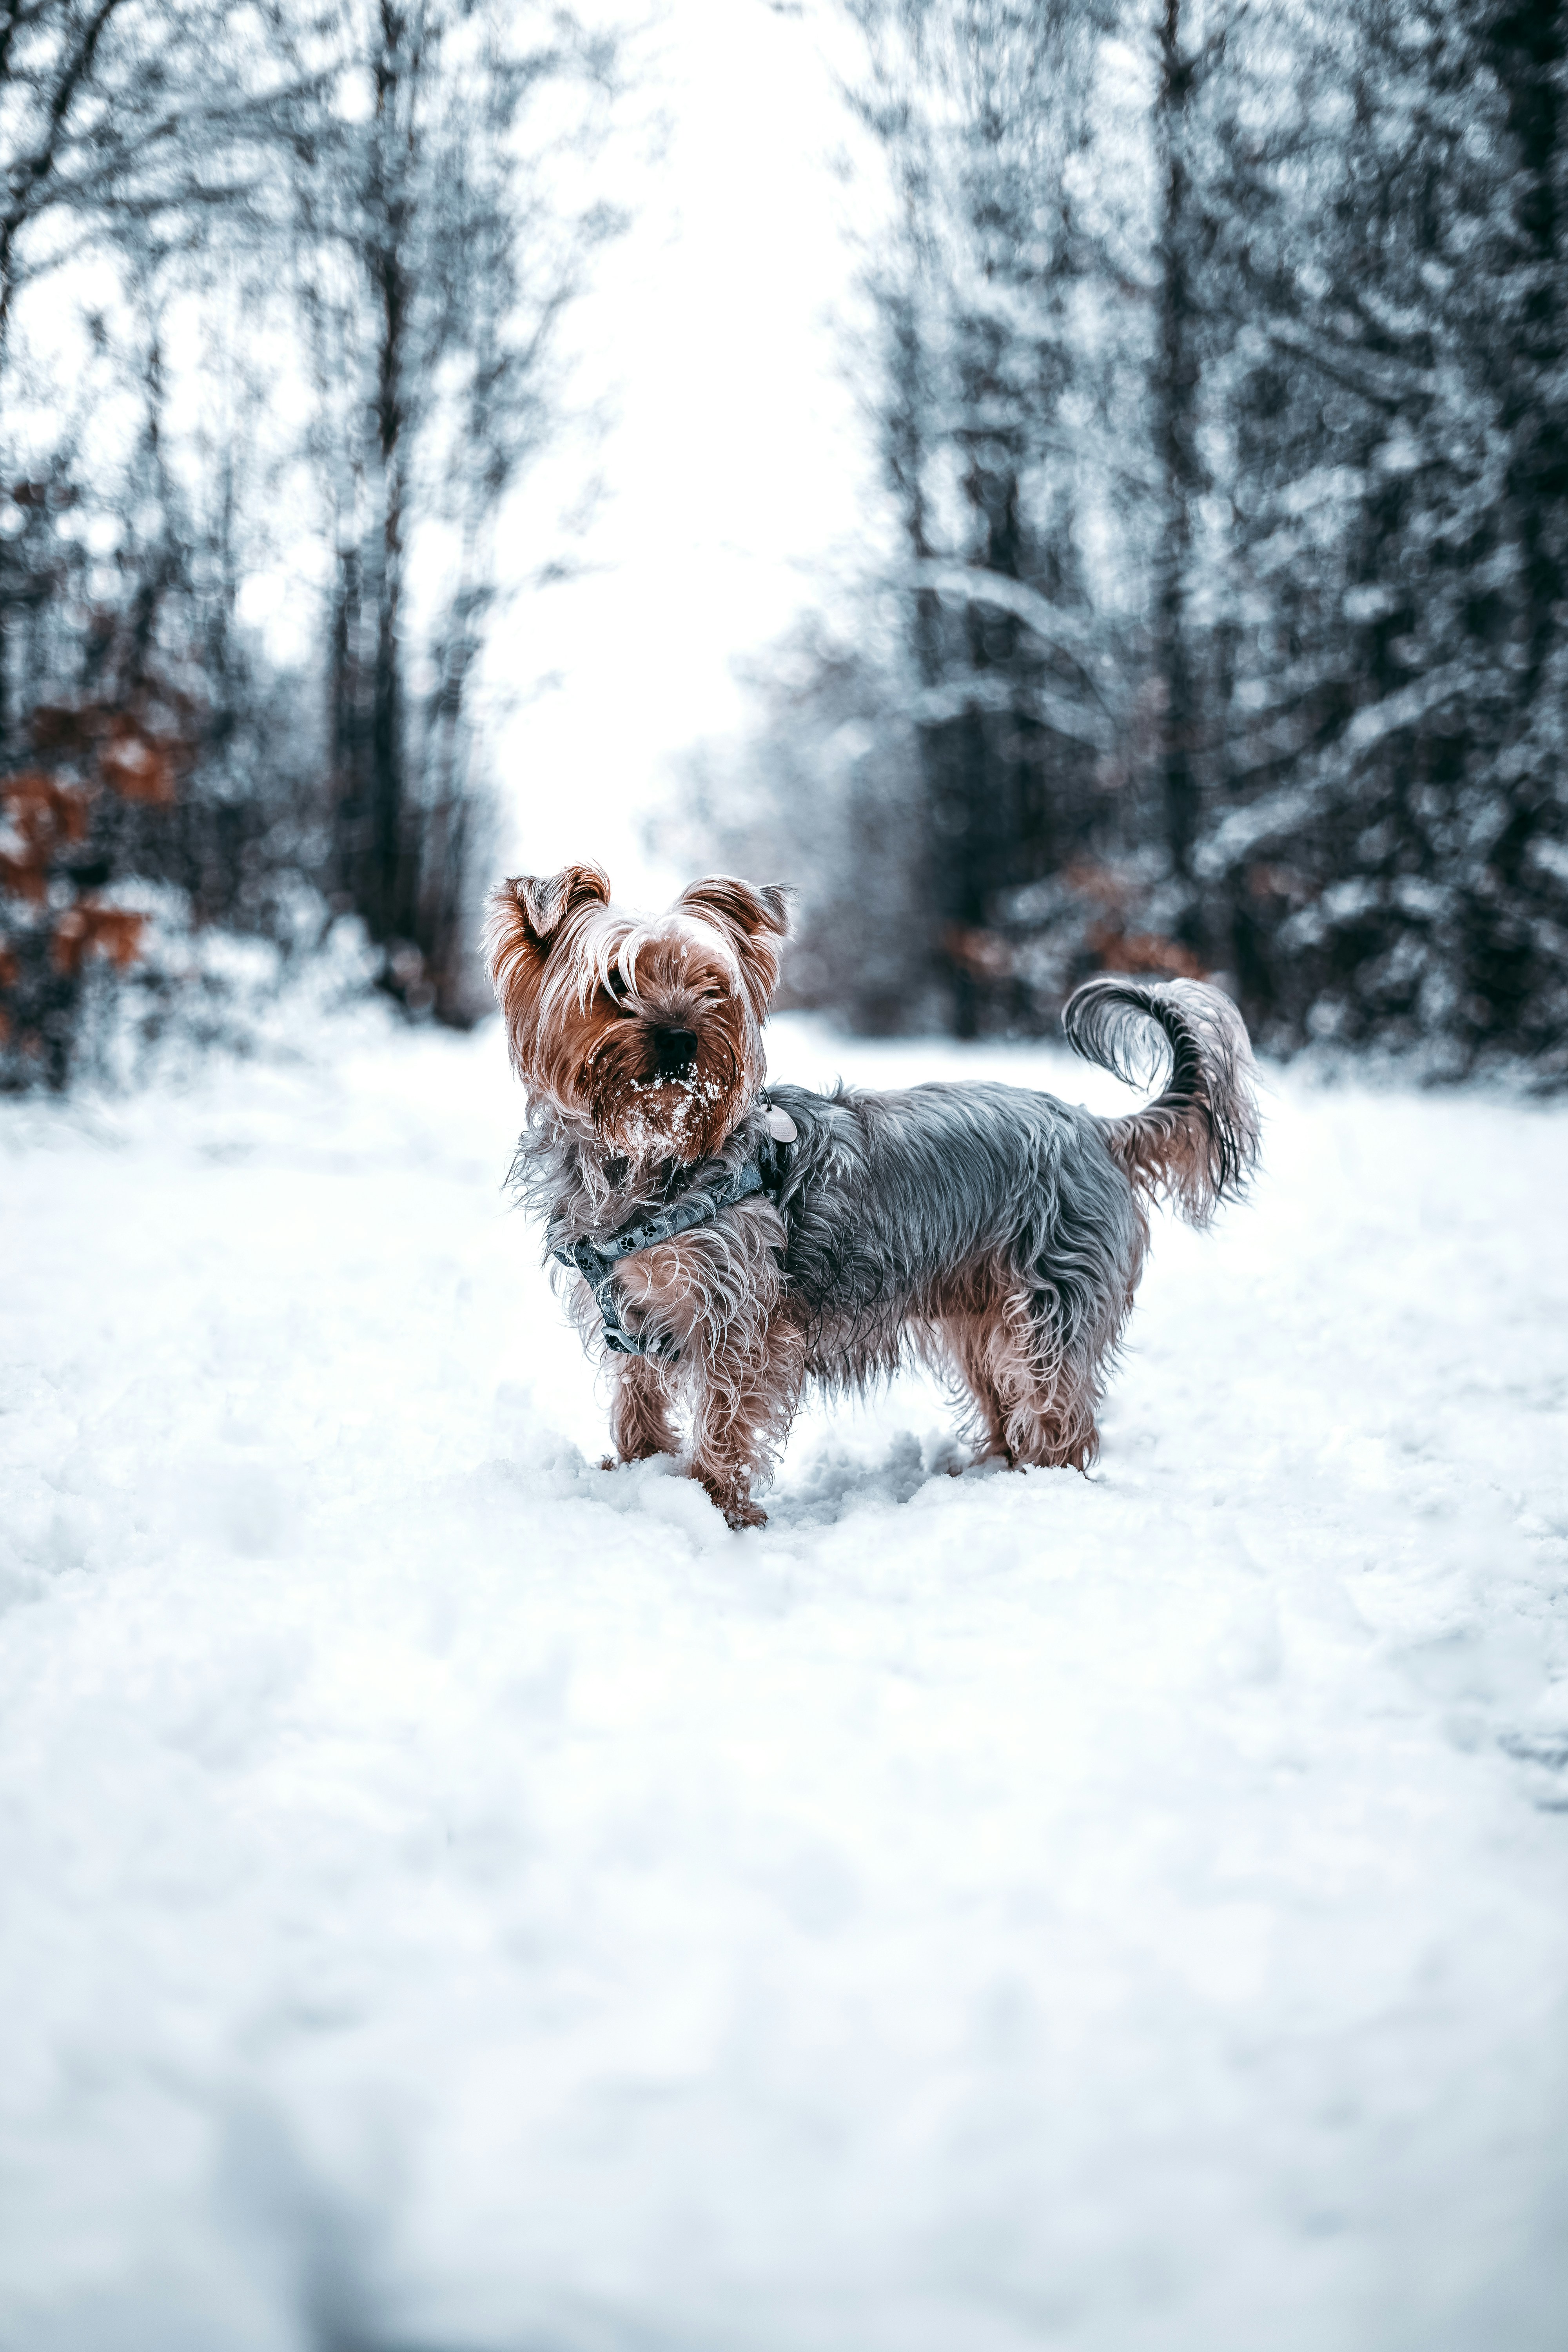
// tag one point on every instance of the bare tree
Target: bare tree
(141, 116)
(982, 112)
(1183, 64)
(437, 243)
(391, 199)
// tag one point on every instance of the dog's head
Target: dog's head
(647, 1027)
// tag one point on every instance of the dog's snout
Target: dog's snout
(674, 1051)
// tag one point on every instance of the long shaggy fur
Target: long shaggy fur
(1197, 1145)
(993, 1233)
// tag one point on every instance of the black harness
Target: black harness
(698, 1205)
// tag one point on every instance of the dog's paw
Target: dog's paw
(737, 1506)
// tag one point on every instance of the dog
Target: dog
(723, 1241)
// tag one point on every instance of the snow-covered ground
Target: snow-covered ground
(453, 1898)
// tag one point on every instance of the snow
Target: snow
(457, 1899)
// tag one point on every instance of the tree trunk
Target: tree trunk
(345, 733)
(390, 898)
(1528, 43)
(1175, 441)
(391, 861)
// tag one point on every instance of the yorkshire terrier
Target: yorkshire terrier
(725, 1241)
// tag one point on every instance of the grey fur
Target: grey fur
(1199, 1141)
(892, 1199)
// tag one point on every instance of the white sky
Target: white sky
(739, 464)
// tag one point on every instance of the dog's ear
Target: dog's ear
(524, 921)
(757, 921)
(538, 903)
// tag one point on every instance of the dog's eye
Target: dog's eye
(616, 985)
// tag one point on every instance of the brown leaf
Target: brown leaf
(24, 880)
(1101, 883)
(985, 954)
(88, 928)
(1120, 951)
(135, 763)
(45, 815)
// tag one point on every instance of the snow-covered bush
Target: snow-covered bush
(193, 992)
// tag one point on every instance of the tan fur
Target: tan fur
(717, 1294)
(566, 968)
(1034, 1401)
(640, 1419)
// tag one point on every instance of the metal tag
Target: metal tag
(781, 1127)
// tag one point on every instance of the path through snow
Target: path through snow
(456, 1899)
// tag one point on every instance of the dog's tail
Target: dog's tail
(1197, 1143)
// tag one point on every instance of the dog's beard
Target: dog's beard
(666, 1118)
(644, 1116)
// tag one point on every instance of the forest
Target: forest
(279, 289)
(1216, 363)
(1212, 357)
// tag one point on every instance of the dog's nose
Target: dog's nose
(674, 1051)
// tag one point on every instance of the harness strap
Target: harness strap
(596, 1261)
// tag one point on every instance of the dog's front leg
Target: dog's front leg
(710, 1302)
(639, 1411)
(741, 1406)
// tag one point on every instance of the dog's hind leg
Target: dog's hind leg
(1055, 1382)
(639, 1415)
(1035, 1395)
(970, 1342)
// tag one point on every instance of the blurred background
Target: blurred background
(1066, 486)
